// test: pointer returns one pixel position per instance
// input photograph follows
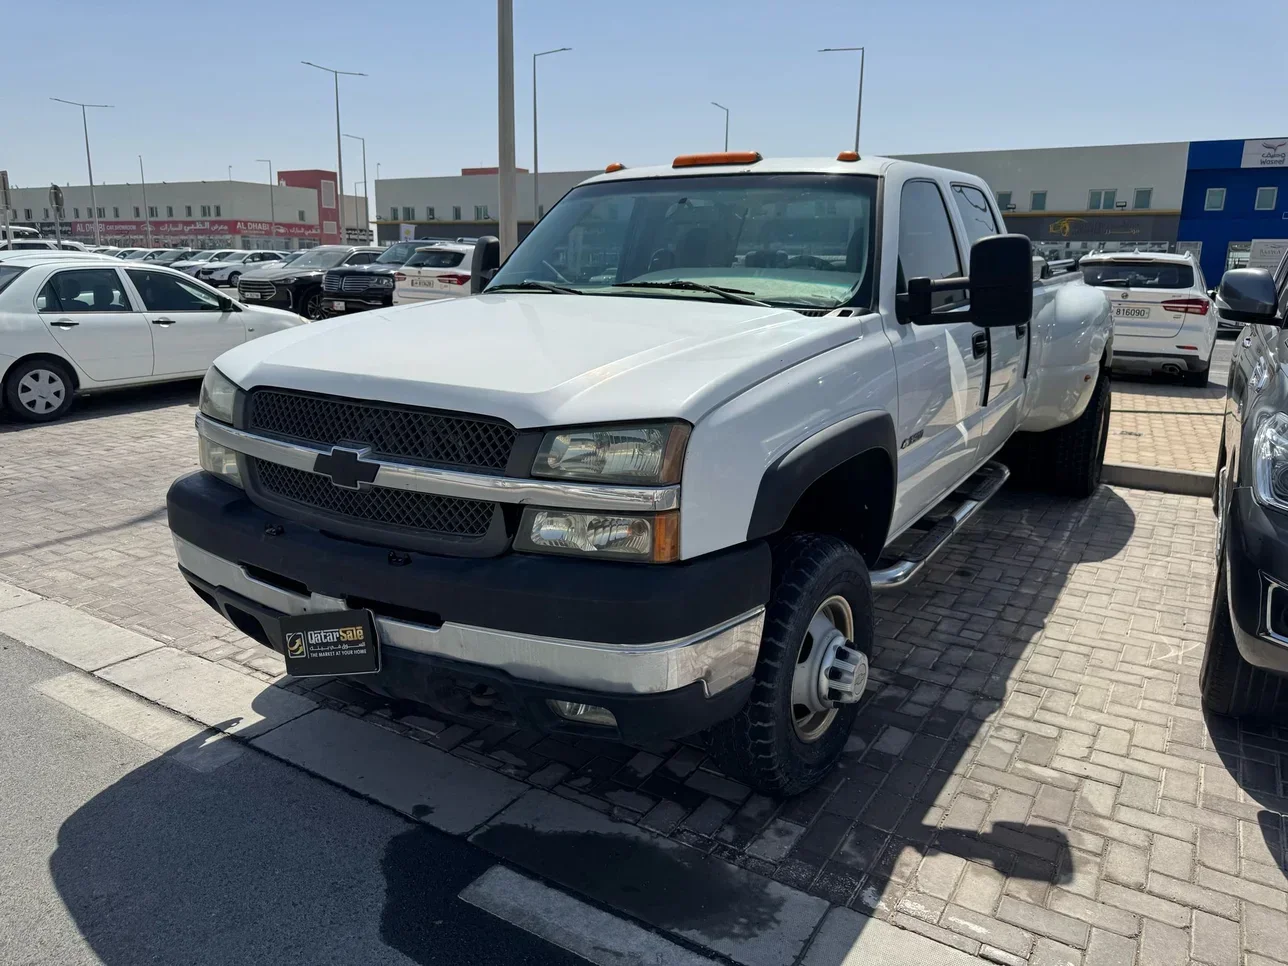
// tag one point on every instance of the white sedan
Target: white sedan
(437, 271)
(74, 325)
(227, 270)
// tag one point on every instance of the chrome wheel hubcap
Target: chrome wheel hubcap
(41, 391)
(829, 670)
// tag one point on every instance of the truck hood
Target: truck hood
(538, 359)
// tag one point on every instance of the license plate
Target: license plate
(337, 306)
(421, 282)
(337, 642)
(252, 295)
(1130, 312)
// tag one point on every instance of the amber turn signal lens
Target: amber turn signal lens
(666, 537)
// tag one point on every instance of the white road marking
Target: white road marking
(558, 918)
(177, 738)
(72, 635)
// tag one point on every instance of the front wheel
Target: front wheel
(233, 278)
(812, 670)
(313, 306)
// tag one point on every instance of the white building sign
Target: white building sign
(1266, 252)
(406, 232)
(1265, 153)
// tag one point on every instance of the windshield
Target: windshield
(236, 257)
(788, 239)
(203, 256)
(321, 258)
(398, 253)
(1138, 274)
(289, 257)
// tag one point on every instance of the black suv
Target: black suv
(1245, 667)
(297, 287)
(360, 287)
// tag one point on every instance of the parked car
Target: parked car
(227, 270)
(190, 265)
(45, 255)
(83, 324)
(357, 288)
(439, 271)
(1245, 660)
(20, 244)
(128, 253)
(168, 256)
(657, 503)
(298, 286)
(1163, 318)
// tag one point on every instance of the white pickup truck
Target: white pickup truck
(645, 481)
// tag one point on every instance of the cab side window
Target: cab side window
(927, 246)
(360, 258)
(976, 214)
(84, 290)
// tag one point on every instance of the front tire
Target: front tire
(785, 739)
(1228, 684)
(233, 279)
(313, 306)
(39, 390)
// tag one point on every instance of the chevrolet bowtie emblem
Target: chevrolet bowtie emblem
(346, 467)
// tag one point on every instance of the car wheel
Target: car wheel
(313, 306)
(232, 279)
(39, 390)
(811, 672)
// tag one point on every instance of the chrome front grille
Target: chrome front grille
(330, 282)
(355, 283)
(265, 289)
(381, 506)
(394, 433)
(333, 282)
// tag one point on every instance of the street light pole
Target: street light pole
(89, 162)
(726, 110)
(507, 189)
(147, 215)
(536, 168)
(366, 192)
(272, 208)
(863, 56)
(339, 154)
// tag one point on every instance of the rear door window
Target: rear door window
(1138, 275)
(84, 290)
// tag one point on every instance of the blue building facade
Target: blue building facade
(1236, 194)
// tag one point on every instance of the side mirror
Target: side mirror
(227, 305)
(486, 261)
(1248, 295)
(1001, 281)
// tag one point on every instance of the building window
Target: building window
(205, 211)
(328, 194)
(1214, 200)
(328, 228)
(218, 211)
(393, 212)
(1102, 199)
(409, 213)
(75, 212)
(100, 213)
(1004, 200)
(116, 212)
(187, 211)
(1267, 199)
(301, 214)
(152, 211)
(456, 212)
(1142, 198)
(169, 211)
(46, 214)
(1037, 201)
(26, 214)
(137, 212)
(480, 213)
(429, 213)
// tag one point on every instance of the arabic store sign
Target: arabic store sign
(1265, 153)
(202, 227)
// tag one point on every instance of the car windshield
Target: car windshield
(289, 258)
(398, 253)
(800, 240)
(320, 258)
(202, 256)
(170, 253)
(1138, 274)
(222, 255)
(237, 257)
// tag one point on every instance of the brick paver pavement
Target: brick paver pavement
(1030, 779)
(1162, 423)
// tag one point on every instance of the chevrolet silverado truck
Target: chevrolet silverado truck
(644, 482)
(1245, 661)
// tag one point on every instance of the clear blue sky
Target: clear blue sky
(190, 80)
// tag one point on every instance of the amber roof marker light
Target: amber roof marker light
(615, 166)
(848, 156)
(716, 157)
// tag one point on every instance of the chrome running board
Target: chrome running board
(974, 492)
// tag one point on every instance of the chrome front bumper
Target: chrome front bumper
(719, 657)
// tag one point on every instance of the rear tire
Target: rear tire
(773, 744)
(1067, 460)
(39, 390)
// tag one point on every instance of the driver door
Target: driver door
(190, 326)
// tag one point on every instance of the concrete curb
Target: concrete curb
(1184, 482)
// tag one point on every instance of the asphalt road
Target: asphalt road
(111, 853)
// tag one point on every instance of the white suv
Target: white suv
(1164, 320)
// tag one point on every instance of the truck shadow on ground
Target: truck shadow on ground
(1255, 756)
(117, 402)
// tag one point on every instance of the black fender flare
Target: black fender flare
(788, 477)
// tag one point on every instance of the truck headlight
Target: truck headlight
(219, 460)
(652, 453)
(218, 396)
(383, 281)
(645, 537)
(1270, 456)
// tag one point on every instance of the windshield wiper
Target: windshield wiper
(728, 294)
(536, 283)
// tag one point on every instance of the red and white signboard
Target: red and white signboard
(201, 227)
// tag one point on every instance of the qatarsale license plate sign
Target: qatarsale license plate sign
(339, 642)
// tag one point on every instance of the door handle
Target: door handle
(1021, 330)
(65, 323)
(163, 321)
(979, 344)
